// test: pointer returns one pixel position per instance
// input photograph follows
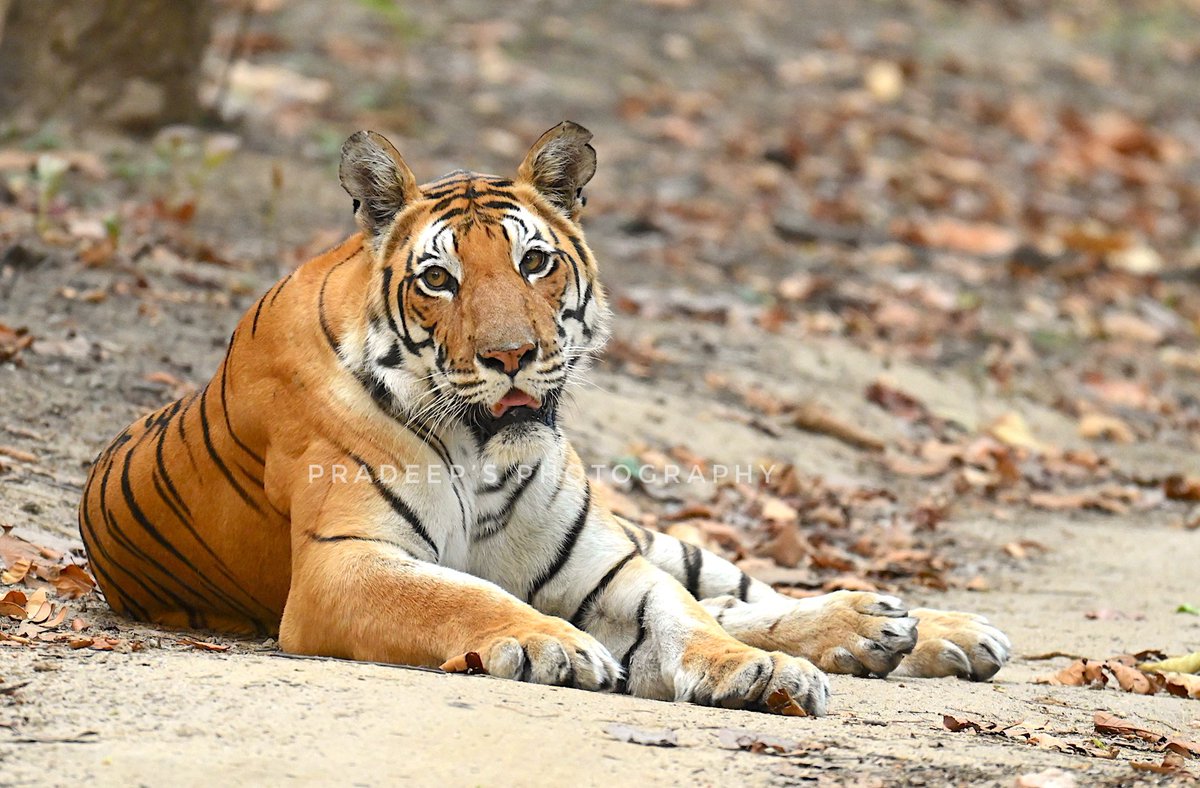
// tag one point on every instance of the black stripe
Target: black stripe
(257, 311)
(500, 205)
(95, 550)
(399, 506)
(140, 517)
(216, 458)
(142, 578)
(225, 407)
(504, 514)
(279, 289)
(567, 546)
(744, 587)
(500, 482)
(184, 514)
(351, 538)
(692, 559)
(585, 607)
(627, 660)
(325, 329)
(632, 534)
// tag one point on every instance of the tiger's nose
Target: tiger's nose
(510, 361)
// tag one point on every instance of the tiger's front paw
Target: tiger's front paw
(729, 674)
(850, 632)
(554, 652)
(955, 644)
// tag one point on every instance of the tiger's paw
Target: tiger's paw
(846, 632)
(955, 644)
(734, 676)
(557, 654)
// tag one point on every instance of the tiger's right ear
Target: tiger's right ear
(374, 174)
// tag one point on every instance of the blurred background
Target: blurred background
(939, 260)
(935, 261)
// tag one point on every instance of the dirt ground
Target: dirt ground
(764, 215)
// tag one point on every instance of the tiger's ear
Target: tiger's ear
(374, 174)
(559, 165)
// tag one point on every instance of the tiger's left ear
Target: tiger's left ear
(559, 165)
(375, 175)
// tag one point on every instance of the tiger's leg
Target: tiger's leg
(670, 647)
(362, 589)
(843, 632)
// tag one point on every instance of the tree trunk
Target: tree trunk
(132, 64)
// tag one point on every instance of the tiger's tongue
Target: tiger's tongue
(515, 398)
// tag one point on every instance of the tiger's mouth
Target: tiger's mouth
(514, 408)
(514, 399)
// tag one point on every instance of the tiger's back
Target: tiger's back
(176, 515)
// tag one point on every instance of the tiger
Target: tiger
(376, 471)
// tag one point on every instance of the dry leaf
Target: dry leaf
(202, 645)
(1049, 778)
(38, 608)
(1188, 749)
(72, 582)
(1182, 685)
(1097, 426)
(650, 738)
(1182, 488)
(956, 724)
(760, 743)
(1172, 764)
(1115, 726)
(16, 572)
(776, 510)
(1012, 429)
(780, 702)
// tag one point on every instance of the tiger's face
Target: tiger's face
(488, 302)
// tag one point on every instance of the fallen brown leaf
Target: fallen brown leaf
(1115, 726)
(761, 743)
(203, 645)
(16, 572)
(664, 737)
(1182, 685)
(73, 582)
(956, 724)
(780, 702)
(1098, 426)
(1172, 763)
(1182, 488)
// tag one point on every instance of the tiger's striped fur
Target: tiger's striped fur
(440, 339)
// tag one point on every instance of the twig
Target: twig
(813, 418)
(77, 740)
(317, 658)
(235, 52)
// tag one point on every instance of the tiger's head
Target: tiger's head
(487, 302)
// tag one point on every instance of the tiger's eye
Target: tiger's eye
(436, 278)
(534, 262)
